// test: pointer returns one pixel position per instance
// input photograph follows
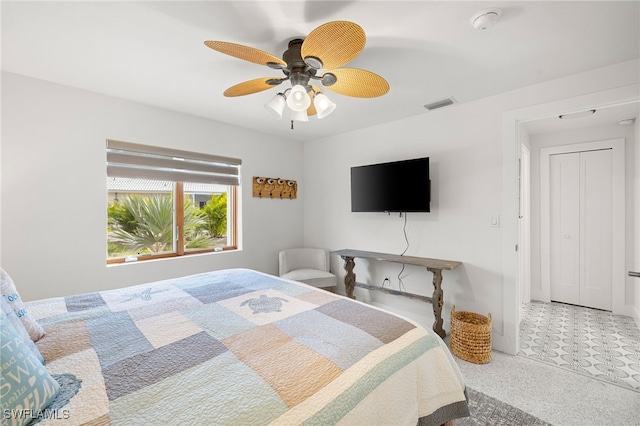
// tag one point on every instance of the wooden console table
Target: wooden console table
(433, 265)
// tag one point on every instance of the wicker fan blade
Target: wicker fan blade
(249, 87)
(312, 108)
(245, 52)
(358, 83)
(334, 43)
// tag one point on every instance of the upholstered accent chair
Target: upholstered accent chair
(308, 265)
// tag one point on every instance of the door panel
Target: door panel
(596, 228)
(565, 227)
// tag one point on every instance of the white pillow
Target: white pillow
(10, 294)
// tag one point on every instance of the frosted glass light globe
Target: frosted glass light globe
(298, 99)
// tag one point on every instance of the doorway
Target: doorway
(513, 121)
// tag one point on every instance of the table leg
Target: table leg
(350, 278)
(438, 301)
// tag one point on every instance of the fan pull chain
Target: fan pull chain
(291, 124)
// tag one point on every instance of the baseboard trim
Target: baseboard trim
(497, 342)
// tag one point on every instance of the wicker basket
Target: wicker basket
(470, 336)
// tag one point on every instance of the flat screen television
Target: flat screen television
(399, 186)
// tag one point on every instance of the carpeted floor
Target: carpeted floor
(588, 341)
(486, 410)
(555, 395)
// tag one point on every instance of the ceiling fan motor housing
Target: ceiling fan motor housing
(298, 70)
(292, 55)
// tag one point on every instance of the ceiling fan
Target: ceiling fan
(328, 48)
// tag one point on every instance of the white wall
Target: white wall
(53, 229)
(53, 139)
(464, 146)
(465, 143)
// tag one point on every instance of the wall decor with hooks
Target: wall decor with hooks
(264, 187)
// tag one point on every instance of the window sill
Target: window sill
(144, 259)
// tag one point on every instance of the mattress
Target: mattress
(240, 347)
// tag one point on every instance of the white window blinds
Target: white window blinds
(130, 160)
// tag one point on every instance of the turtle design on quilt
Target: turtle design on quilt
(264, 304)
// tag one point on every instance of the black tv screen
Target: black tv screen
(399, 186)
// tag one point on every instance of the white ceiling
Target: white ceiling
(153, 52)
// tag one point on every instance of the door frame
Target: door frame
(525, 224)
(509, 341)
(618, 217)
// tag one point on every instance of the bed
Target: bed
(241, 347)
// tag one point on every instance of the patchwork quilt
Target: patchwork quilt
(239, 347)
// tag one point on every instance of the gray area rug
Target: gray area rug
(486, 410)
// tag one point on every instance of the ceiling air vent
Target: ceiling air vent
(441, 103)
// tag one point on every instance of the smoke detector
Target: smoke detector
(485, 19)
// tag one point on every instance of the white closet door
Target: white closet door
(596, 228)
(564, 180)
(581, 228)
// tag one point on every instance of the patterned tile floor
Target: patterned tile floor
(588, 341)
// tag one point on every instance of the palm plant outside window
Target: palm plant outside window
(193, 211)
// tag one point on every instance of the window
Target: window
(166, 202)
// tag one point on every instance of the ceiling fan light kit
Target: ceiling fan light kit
(329, 47)
(323, 105)
(276, 105)
(300, 115)
(298, 99)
